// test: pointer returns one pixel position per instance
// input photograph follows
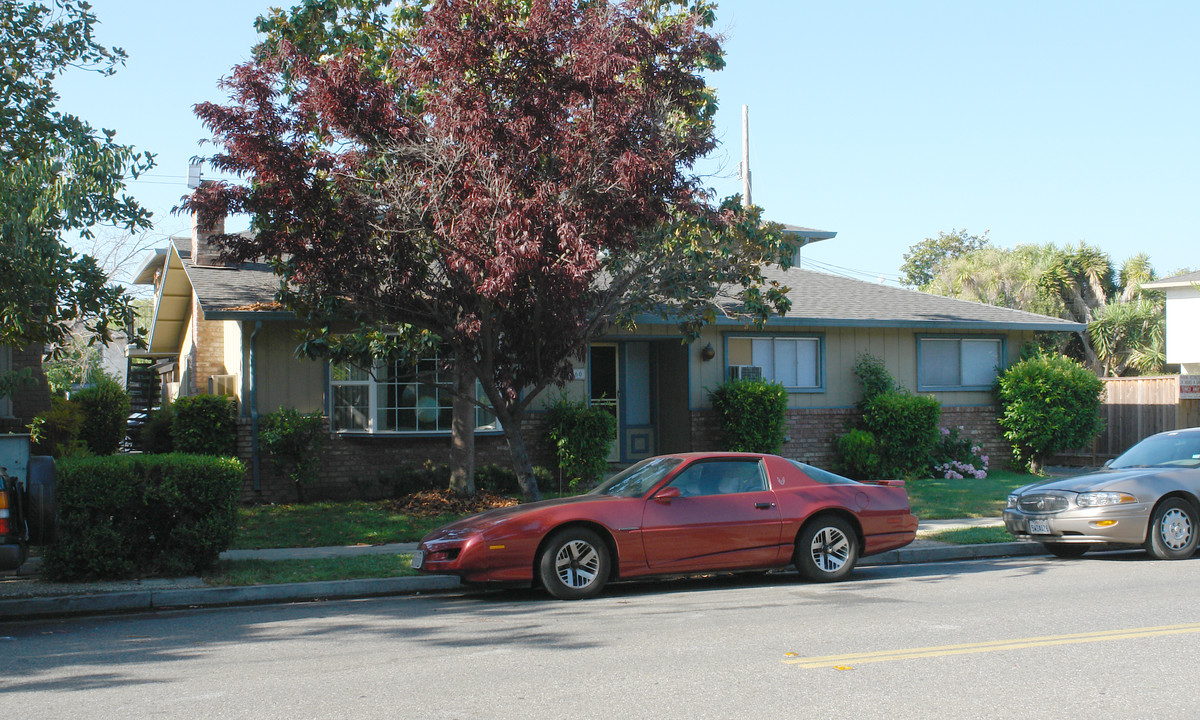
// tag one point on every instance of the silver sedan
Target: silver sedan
(1148, 497)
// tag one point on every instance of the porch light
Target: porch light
(708, 353)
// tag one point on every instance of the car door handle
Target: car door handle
(764, 506)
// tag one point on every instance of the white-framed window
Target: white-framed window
(5, 366)
(958, 363)
(792, 361)
(402, 398)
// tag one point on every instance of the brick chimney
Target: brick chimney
(204, 228)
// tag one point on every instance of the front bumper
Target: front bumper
(1124, 525)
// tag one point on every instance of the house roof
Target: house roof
(819, 299)
(1184, 280)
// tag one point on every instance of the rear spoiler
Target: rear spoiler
(886, 483)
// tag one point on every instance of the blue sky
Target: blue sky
(1046, 121)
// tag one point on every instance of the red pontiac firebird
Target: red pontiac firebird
(679, 514)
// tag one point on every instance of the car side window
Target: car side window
(723, 477)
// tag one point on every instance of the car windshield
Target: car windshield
(1176, 449)
(636, 480)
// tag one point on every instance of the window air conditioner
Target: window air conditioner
(745, 372)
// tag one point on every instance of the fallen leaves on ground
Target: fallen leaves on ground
(446, 502)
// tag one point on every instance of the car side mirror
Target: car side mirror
(667, 494)
(1108, 462)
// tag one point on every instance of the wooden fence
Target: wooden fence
(1134, 408)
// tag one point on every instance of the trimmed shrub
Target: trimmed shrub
(858, 455)
(294, 440)
(1050, 404)
(105, 407)
(56, 431)
(581, 436)
(142, 515)
(501, 480)
(906, 427)
(156, 433)
(205, 425)
(752, 414)
(899, 430)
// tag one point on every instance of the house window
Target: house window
(794, 362)
(398, 398)
(948, 363)
(5, 367)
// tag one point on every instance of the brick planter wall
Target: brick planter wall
(811, 431)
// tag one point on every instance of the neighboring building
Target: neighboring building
(218, 329)
(18, 409)
(1183, 319)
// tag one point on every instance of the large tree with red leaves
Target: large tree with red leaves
(510, 176)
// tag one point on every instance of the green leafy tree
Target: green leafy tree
(513, 178)
(57, 175)
(922, 261)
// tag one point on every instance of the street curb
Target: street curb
(144, 600)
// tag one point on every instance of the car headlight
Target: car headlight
(1097, 499)
(1012, 501)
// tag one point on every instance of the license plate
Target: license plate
(418, 559)
(1039, 527)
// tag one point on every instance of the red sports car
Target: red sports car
(679, 514)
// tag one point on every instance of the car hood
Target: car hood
(492, 518)
(1102, 480)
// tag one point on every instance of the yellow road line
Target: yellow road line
(993, 646)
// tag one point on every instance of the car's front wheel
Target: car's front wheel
(574, 564)
(1067, 550)
(826, 549)
(1172, 533)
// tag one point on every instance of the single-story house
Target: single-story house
(218, 329)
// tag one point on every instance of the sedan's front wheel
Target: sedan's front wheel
(1172, 534)
(826, 550)
(574, 565)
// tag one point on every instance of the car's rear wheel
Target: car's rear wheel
(1172, 534)
(574, 564)
(1067, 550)
(826, 549)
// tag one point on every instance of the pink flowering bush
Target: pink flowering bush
(955, 457)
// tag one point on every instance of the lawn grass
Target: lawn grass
(323, 524)
(971, 536)
(938, 499)
(273, 572)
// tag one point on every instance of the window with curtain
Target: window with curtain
(792, 361)
(957, 363)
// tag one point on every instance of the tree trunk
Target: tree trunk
(462, 437)
(520, 460)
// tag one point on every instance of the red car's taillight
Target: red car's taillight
(5, 518)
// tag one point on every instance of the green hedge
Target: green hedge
(141, 515)
(906, 427)
(752, 414)
(205, 425)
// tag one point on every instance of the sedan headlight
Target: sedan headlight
(1097, 499)
(1012, 501)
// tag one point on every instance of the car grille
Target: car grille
(1042, 503)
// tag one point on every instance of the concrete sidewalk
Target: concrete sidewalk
(24, 596)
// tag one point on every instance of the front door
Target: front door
(604, 375)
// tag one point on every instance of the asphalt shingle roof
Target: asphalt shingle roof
(823, 299)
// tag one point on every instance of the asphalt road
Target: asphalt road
(1113, 635)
